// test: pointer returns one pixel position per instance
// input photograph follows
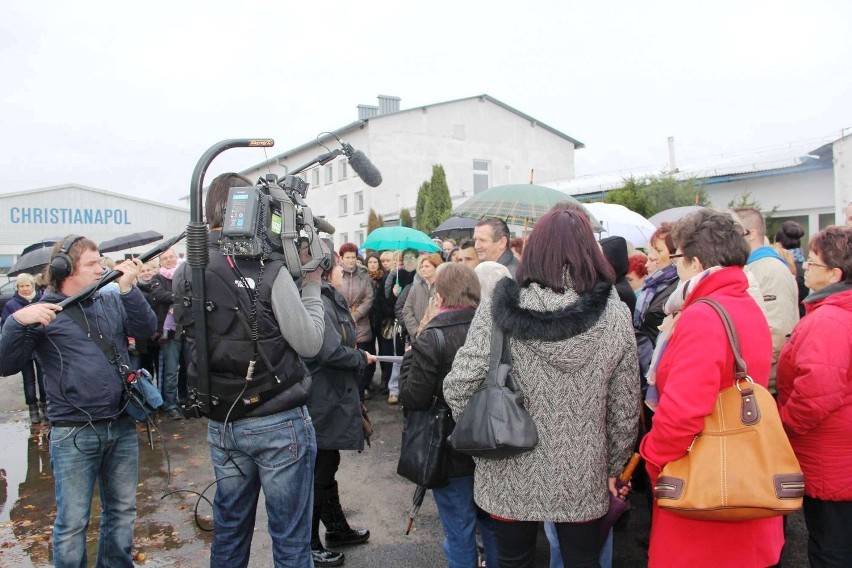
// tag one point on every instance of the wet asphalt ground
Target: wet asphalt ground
(167, 534)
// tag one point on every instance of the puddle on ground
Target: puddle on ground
(164, 526)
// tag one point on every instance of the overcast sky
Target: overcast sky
(126, 97)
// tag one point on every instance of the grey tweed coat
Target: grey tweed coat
(575, 359)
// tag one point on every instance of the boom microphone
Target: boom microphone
(324, 225)
(363, 166)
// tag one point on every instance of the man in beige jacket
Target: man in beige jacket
(777, 284)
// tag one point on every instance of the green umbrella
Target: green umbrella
(399, 238)
(517, 204)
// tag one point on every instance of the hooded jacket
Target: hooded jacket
(574, 358)
(815, 392)
(81, 384)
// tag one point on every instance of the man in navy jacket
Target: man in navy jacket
(92, 438)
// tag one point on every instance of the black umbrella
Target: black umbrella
(130, 241)
(455, 225)
(32, 262)
(48, 243)
(419, 493)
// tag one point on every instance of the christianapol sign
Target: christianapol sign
(67, 216)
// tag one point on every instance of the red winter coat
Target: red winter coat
(696, 364)
(815, 393)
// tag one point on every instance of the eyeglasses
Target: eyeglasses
(677, 255)
(809, 263)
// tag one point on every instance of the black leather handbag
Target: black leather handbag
(424, 434)
(495, 424)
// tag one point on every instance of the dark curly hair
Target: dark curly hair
(834, 246)
(713, 237)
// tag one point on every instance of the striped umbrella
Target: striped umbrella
(517, 204)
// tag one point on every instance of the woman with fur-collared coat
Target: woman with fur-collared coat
(574, 357)
(695, 362)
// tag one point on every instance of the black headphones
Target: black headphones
(61, 265)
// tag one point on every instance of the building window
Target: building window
(341, 169)
(359, 238)
(344, 238)
(481, 176)
(329, 173)
(315, 181)
(343, 205)
(359, 202)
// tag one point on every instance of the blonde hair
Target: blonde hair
(24, 277)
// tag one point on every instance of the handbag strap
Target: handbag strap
(441, 345)
(740, 369)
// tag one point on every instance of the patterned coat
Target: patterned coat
(575, 360)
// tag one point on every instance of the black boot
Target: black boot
(42, 407)
(338, 532)
(35, 417)
(321, 555)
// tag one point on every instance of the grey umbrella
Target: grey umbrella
(130, 241)
(455, 226)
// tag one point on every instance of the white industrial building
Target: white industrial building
(811, 186)
(480, 141)
(36, 214)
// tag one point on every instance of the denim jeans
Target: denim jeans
(106, 452)
(556, 553)
(169, 361)
(460, 516)
(276, 453)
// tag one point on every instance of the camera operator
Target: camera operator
(92, 439)
(262, 437)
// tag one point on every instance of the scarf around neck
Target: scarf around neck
(654, 284)
(167, 272)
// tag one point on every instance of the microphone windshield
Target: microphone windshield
(365, 169)
(324, 226)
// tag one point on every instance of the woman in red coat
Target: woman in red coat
(696, 362)
(815, 396)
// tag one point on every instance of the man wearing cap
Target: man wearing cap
(92, 438)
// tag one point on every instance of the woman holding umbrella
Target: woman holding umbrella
(26, 294)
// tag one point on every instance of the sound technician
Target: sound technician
(260, 433)
(92, 439)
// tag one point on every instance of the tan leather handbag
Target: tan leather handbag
(741, 466)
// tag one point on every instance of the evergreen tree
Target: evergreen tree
(373, 221)
(405, 218)
(420, 208)
(438, 205)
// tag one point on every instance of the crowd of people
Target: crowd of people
(611, 347)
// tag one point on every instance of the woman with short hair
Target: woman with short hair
(421, 379)
(693, 364)
(574, 358)
(26, 294)
(421, 293)
(815, 396)
(357, 288)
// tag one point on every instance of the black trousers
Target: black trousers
(829, 526)
(580, 543)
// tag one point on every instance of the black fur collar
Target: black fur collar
(558, 325)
